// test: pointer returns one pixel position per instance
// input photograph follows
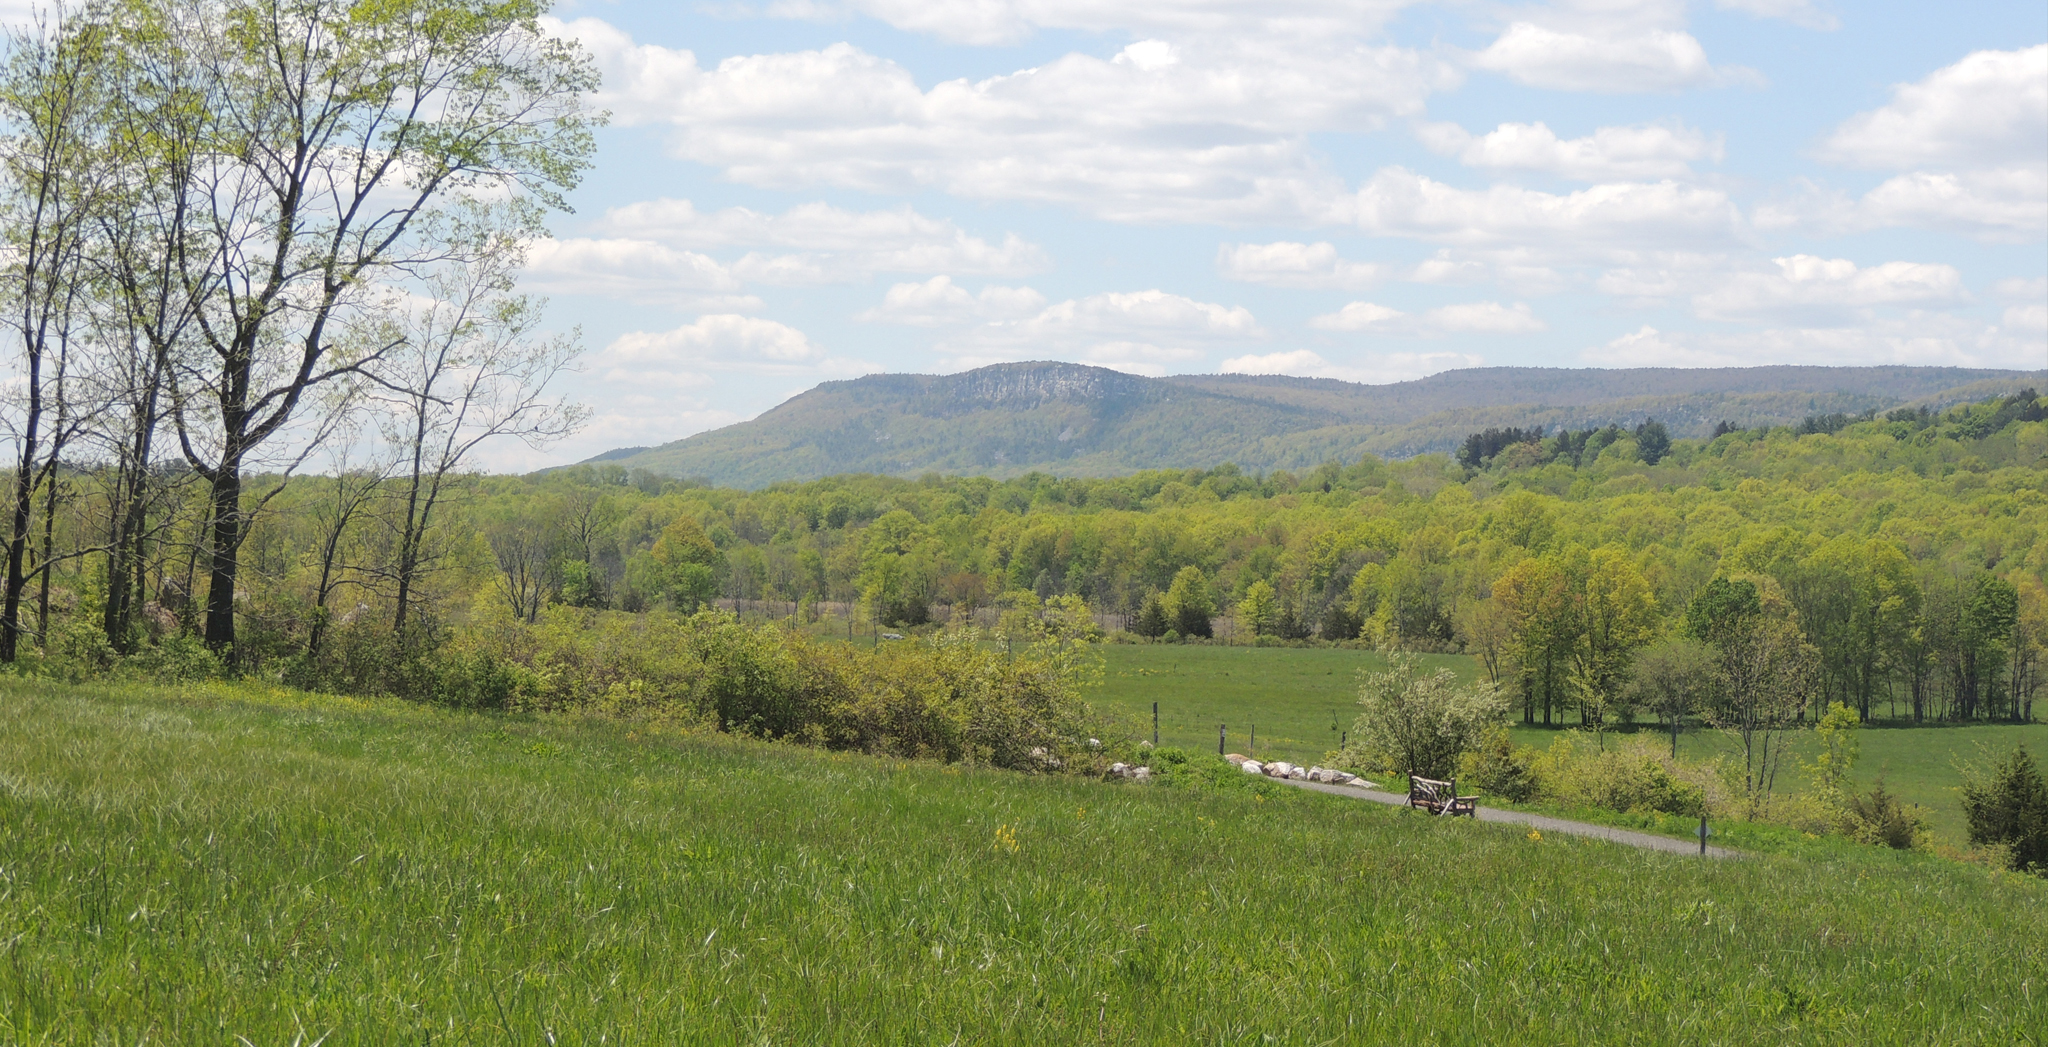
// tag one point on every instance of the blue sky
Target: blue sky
(796, 191)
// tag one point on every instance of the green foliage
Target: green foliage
(1189, 604)
(1500, 768)
(1630, 777)
(2008, 805)
(1881, 818)
(1420, 723)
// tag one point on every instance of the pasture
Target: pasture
(1302, 699)
(216, 864)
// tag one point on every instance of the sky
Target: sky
(799, 191)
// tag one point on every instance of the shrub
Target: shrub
(1878, 817)
(2009, 806)
(1420, 723)
(1499, 767)
(1634, 776)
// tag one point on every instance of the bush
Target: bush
(1633, 776)
(2008, 806)
(1420, 724)
(1500, 768)
(1878, 817)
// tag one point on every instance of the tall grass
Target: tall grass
(193, 866)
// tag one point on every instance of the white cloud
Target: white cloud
(1662, 150)
(2021, 289)
(939, 302)
(1376, 368)
(1798, 12)
(2023, 318)
(1970, 141)
(1988, 110)
(1915, 339)
(1804, 286)
(1588, 223)
(1358, 316)
(637, 270)
(725, 341)
(1463, 318)
(1218, 133)
(1567, 60)
(1291, 264)
(897, 240)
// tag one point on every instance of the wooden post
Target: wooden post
(1255, 738)
(1155, 725)
(1219, 739)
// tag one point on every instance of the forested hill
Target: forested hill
(1074, 420)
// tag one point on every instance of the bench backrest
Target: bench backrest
(1432, 790)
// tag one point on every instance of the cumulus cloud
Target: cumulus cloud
(1971, 141)
(725, 341)
(896, 240)
(1212, 126)
(1291, 264)
(1988, 110)
(938, 302)
(1662, 150)
(1463, 318)
(638, 270)
(1915, 339)
(1376, 368)
(1804, 286)
(1590, 222)
(1566, 60)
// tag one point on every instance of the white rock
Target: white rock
(1119, 768)
(1237, 758)
(1296, 773)
(1280, 769)
(1143, 774)
(1253, 767)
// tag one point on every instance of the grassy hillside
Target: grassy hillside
(210, 865)
(1070, 419)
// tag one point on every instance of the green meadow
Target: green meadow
(220, 865)
(1301, 700)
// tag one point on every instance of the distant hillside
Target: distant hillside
(1076, 420)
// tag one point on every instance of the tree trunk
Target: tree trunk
(223, 556)
(24, 492)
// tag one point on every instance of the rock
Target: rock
(1296, 773)
(1143, 774)
(1237, 759)
(1119, 768)
(1253, 767)
(1280, 769)
(1094, 743)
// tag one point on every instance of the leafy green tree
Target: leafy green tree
(1259, 610)
(1617, 612)
(1675, 678)
(1190, 604)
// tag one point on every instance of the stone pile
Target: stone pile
(1124, 770)
(1283, 769)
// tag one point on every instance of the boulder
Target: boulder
(1143, 774)
(1296, 773)
(1253, 767)
(1119, 768)
(1237, 759)
(1279, 769)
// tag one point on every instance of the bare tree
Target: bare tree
(469, 368)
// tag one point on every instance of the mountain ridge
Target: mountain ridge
(1076, 419)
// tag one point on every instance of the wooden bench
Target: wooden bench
(1440, 797)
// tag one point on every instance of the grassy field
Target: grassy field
(1301, 699)
(213, 864)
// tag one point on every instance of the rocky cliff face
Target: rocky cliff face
(1023, 386)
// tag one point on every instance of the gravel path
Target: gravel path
(1535, 821)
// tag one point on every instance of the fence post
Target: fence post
(1219, 739)
(1155, 725)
